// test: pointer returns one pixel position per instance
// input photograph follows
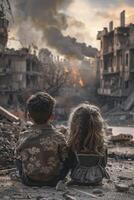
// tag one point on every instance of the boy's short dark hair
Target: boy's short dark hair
(40, 107)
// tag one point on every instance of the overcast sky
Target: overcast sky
(96, 14)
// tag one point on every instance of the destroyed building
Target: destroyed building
(116, 64)
(19, 69)
(3, 30)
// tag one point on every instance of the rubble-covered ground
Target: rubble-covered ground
(119, 187)
(119, 117)
(120, 167)
(8, 138)
(121, 172)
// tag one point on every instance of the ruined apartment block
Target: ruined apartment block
(19, 72)
(3, 30)
(116, 63)
(19, 69)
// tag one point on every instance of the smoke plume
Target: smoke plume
(48, 16)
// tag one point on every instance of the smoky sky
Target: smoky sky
(109, 3)
(42, 12)
(49, 17)
(68, 45)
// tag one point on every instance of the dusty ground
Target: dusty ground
(120, 171)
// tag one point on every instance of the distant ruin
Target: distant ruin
(116, 64)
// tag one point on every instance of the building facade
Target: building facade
(19, 72)
(116, 62)
(3, 30)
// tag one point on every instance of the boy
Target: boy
(41, 150)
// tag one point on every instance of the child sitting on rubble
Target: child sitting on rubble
(87, 155)
(41, 150)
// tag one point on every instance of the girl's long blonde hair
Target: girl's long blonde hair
(86, 129)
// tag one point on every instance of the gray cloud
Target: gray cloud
(67, 45)
(105, 15)
(48, 16)
(109, 3)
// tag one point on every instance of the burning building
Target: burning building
(21, 71)
(116, 63)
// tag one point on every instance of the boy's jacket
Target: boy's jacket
(41, 150)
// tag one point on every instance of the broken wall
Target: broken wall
(18, 73)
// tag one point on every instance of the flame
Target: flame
(76, 76)
(81, 82)
(75, 73)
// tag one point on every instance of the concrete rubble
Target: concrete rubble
(122, 138)
(7, 115)
(119, 187)
(9, 129)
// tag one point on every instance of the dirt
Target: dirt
(121, 173)
(8, 138)
(119, 187)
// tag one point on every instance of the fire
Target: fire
(81, 82)
(76, 76)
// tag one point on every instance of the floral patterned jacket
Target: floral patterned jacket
(42, 150)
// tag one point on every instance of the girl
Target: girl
(87, 154)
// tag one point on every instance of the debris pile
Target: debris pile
(121, 187)
(9, 129)
(125, 140)
(122, 156)
(109, 131)
(122, 138)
